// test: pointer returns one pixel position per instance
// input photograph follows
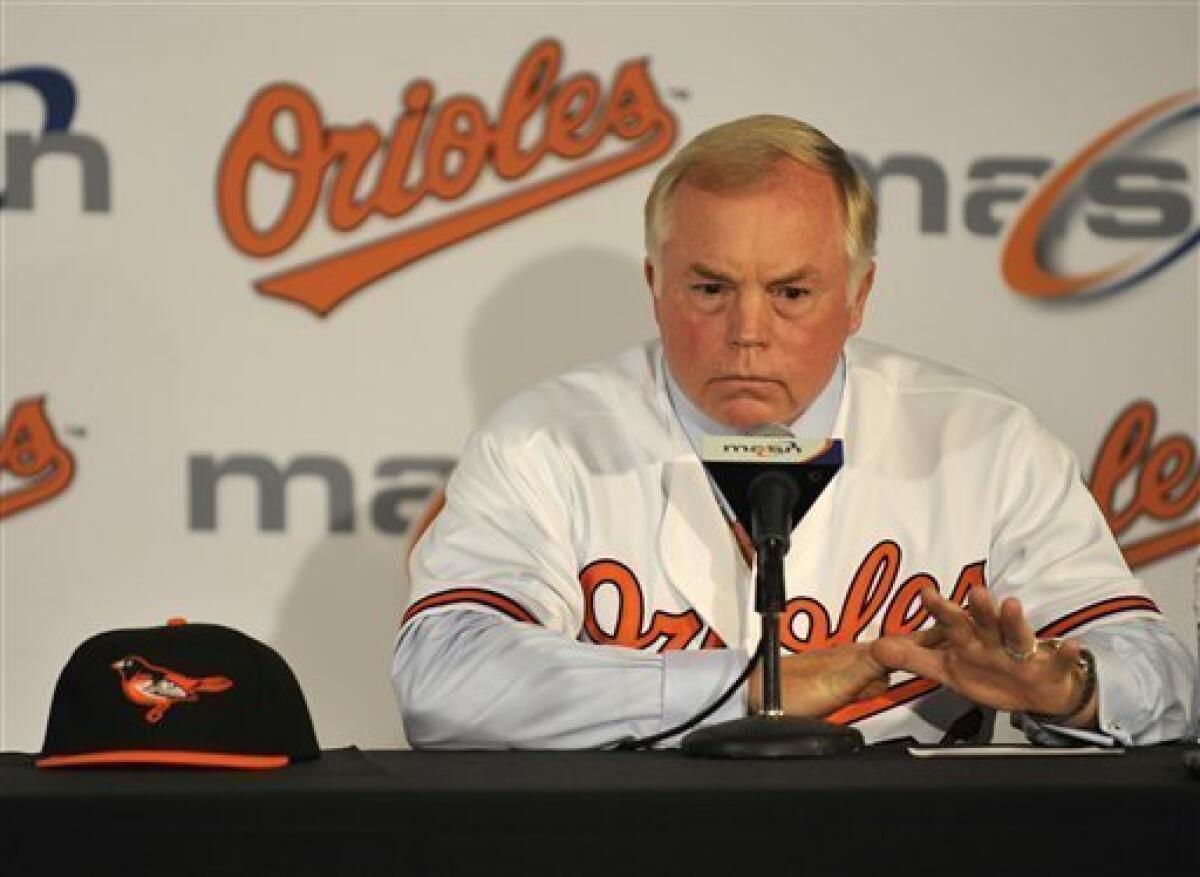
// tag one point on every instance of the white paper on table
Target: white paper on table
(1008, 751)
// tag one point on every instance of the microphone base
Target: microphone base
(764, 736)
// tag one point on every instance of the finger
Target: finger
(873, 689)
(892, 652)
(955, 622)
(1069, 653)
(863, 670)
(983, 613)
(931, 638)
(1015, 631)
(866, 661)
(900, 653)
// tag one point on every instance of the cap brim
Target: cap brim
(168, 758)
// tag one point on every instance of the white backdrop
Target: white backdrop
(136, 321)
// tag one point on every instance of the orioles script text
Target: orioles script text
(539, 117)
(1164, 478)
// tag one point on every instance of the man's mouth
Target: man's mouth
(743, 379)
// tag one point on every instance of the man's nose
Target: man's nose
(749, 318)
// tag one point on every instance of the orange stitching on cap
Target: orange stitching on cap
(167, 757)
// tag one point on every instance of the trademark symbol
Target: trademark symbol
(681, 94)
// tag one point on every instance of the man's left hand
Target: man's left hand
(991, 657)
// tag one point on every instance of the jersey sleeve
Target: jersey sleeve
(1055, 553)
(1145, 682)
(504, 542)
(467, 679)
(1051, 547)
(488, 653)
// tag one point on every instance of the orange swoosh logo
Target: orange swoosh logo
(1019, 265)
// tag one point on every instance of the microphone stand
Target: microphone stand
(771, 733)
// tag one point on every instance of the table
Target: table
(637, 813)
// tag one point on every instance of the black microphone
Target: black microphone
(769, 480)
(772, 496)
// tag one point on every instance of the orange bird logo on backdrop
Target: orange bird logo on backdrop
(33, 455)
(434, 150)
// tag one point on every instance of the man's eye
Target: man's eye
(793, 293)
(708, 289)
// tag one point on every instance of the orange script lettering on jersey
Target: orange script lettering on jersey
(872, 588)
(872, 591)
(30, 451)
(456, 140)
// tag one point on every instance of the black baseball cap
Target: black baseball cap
(200, 695)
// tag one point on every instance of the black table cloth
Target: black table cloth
(396, 812)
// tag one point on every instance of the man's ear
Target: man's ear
(858, 302)
(648, 269)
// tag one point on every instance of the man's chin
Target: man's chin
(742, 415)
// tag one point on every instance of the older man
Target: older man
(583, 583)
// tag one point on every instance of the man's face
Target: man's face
(751, 295)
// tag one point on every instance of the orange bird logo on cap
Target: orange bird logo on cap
(160, 689)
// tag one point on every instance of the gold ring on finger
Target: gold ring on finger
(1022, 657)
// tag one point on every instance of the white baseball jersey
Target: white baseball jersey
(582, 508)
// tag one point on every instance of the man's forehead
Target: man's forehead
(784, 175)
(771, 233)
(807, 203)
(805, 209)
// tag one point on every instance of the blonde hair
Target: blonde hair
(741, 153)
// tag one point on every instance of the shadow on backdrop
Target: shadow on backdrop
(336, 630)
(557, 312)
(341, 615)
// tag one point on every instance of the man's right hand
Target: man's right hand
(816, 683)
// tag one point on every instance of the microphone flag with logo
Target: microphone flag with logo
(747, 468)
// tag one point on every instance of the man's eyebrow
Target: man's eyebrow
(710, 273)
(805, 273)
(802, 273)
